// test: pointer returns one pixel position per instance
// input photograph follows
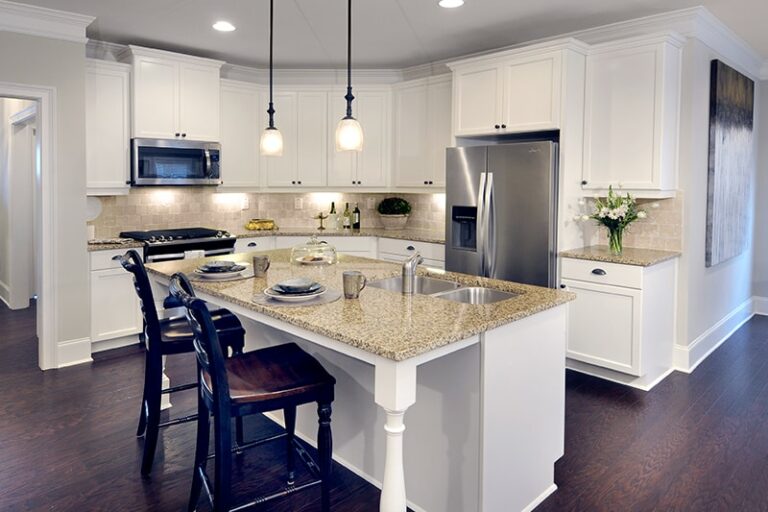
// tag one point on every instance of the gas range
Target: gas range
(175, 244)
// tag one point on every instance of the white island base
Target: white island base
(473, 426)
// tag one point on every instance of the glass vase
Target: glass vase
(614, 240)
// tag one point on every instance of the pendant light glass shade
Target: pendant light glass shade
(349, 133)
(271, 143)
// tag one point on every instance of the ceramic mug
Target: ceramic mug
(260, 265)
(354, 283)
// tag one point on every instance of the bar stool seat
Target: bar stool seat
(274, 373)
(177, 337)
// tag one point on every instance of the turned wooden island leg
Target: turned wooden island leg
(395, 391)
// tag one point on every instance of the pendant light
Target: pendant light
(271, 139)
(349, 133)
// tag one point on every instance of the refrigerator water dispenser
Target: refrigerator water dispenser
(464, 228)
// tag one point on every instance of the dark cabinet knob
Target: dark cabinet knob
(583, 182)
(503, 126)
(497, 126)
(128, 182)
(410, 248)
(599, 272)
(252, 244)
(426, 183)
(562, 286)
(431, 182)
(293, 183)
(183, 134)
(298, 182)
(354, 183)
(178, 134)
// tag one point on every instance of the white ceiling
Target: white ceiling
(387, 33)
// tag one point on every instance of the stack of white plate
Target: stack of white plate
(220, 270)
(295, 290)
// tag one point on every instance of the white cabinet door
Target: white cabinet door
(199, 102)
(631, 117)
(478, 96)
(107, 127)
(438, 129)
(115, 309)
(281, 170)
(240, 132)
(342, 165)
(155, 98)
(604, 326)
(373, 160)
(532, 93)
(312, 138)
(411, 165)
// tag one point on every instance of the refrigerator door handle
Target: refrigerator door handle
(481, 214)
(489, 251)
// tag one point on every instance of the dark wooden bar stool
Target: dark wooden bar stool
(280, 377)
(167, 337)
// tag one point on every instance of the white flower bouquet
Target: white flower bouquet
(616, 213)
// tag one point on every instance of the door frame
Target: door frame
(47, 306)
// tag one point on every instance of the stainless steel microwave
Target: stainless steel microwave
(175, 162)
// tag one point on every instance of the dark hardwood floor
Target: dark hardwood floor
(696, 442)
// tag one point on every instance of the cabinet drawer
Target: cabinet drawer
(102, 260)
(344, 244)
(406, 248)
(629, 276)
(257, 243)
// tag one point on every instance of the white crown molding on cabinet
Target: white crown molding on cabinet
(131, 51)
(43, 22)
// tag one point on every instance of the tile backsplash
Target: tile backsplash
(163, 208)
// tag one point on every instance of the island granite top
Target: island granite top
(629, 256)
(388, 324)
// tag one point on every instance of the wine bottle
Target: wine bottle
(333, 218)
(347, 218)
(356, 217)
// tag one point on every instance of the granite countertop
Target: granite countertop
(381, 322)
(629, 256)
(114, 246)
(417, 235)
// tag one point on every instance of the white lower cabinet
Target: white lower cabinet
(258, 243)
(364, 246)
(621, 325)
(115, 308)
(396, 250)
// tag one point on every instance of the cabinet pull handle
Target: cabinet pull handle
(178, 134)
(252, 244)
(410, 248)
(599, 272)
(497, 126)
(583, 182)
(562, 286)
(293, 183)
(298, 182)
(183, 134)
(503, 126)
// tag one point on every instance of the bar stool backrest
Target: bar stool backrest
(210, 356)
(133, 263)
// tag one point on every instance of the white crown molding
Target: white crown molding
(530, 48)
(43, 22)
(104, 50)
(131, 51)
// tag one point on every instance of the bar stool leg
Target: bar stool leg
(290, 429)
(154, 384)
(239, 433)
(143, 413)
(201, 453)
(222, 487)
(325, 449)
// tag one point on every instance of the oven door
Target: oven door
(174, 162)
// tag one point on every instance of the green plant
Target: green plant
(394, 206)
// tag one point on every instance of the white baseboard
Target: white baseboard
(104, 345)
(354, 469)
(644, 383)
(535, 503)
(72, 352)
(760, 305)
(686, 359)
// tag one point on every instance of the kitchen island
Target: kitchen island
(489, 422)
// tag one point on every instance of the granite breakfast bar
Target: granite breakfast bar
(489, 422)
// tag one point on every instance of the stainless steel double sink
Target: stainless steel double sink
(446, 290)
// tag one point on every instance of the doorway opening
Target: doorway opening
(20, 174)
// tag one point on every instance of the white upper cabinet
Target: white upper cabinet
(514, 91)
(302, 118)
(368, 168)
(175, 96)
(422, 119)
(241, 125)
(632, 116)
(107, 127)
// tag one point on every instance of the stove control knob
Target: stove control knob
(152, 239)
(219, 234)
(161, 238)
(226, 234)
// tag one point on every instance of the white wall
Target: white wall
(39, 61)
(15, 213)
(709, 298)
(760, 285)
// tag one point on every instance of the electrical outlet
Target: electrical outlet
(245, 203)
(298, 203)
(371, 203)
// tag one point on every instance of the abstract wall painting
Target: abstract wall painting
(731, 119)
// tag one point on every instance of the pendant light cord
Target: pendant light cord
(271, 110)
(349, 97)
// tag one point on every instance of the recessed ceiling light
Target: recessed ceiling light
(450, 4)
(223, 26)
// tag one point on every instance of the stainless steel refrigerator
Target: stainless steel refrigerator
(501, 211)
